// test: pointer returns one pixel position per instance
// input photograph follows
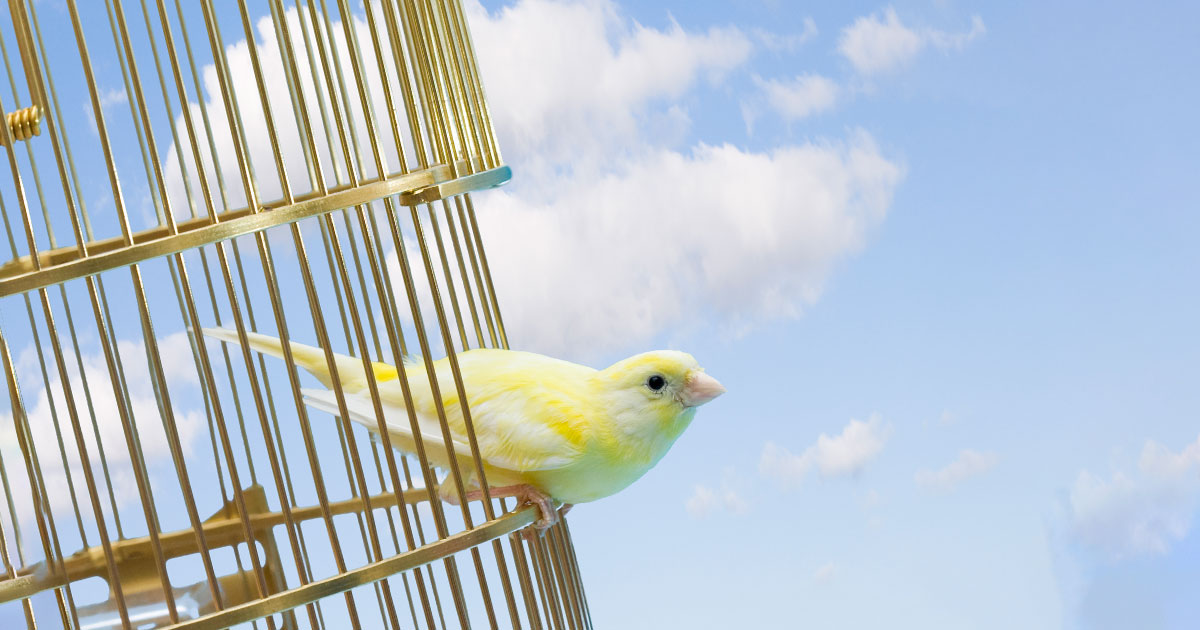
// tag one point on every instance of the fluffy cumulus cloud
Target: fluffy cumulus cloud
(1144, 513)
(44, 406)
(638, 236)
(183, 175)
(569, 83)
(618, 228)
(880, 42)
(676, 236)
(969, 463)
(842, 455)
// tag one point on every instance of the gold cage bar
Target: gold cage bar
(305, 170)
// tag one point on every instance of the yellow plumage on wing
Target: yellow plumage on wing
(546, 428)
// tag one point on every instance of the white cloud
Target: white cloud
(946, 419)
(175, 354)
(108, 98)
(800, 97)
(969, 463)
(874, 45)
(779, 463)
(844, 455)
(114, 96)
(824, 574)
(1140, 514)
(637, 237)
(955, 41)
(880, 42)
(702, 502)
(848, 453)
(290, 143)
(668, 238)
(706, 500)
(568, 81)
(776, 42)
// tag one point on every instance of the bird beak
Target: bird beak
(699, 388)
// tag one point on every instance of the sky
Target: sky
(942, 255)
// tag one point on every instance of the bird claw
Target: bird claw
(548, 510)
(549, 515)
(538, 528)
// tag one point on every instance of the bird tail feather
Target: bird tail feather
(349, 369)
(359, 404)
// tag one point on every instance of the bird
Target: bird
(548, 431)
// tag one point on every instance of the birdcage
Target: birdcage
(300, 170)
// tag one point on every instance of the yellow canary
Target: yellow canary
(547, 430)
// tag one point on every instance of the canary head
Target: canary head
(663, 379)
(663, 383)
(652, 397)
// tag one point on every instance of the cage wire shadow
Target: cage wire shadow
(304, 171)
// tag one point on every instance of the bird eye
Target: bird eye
(656, 382)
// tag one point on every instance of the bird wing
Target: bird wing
(520, 429)
(362, 410)
(506, 437)
(528, 411)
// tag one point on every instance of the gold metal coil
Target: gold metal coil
(24, 124)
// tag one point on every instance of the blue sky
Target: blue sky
(1026, 293)
(942, 254)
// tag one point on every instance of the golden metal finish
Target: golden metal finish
(64, 263)
(455, 187)
(221, 529)
(301, 170)
(139, 567)
(24, 124)
(365, 575)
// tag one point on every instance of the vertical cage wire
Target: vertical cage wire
(304, 171)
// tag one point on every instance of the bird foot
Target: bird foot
(524, 493)
(535, 531)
